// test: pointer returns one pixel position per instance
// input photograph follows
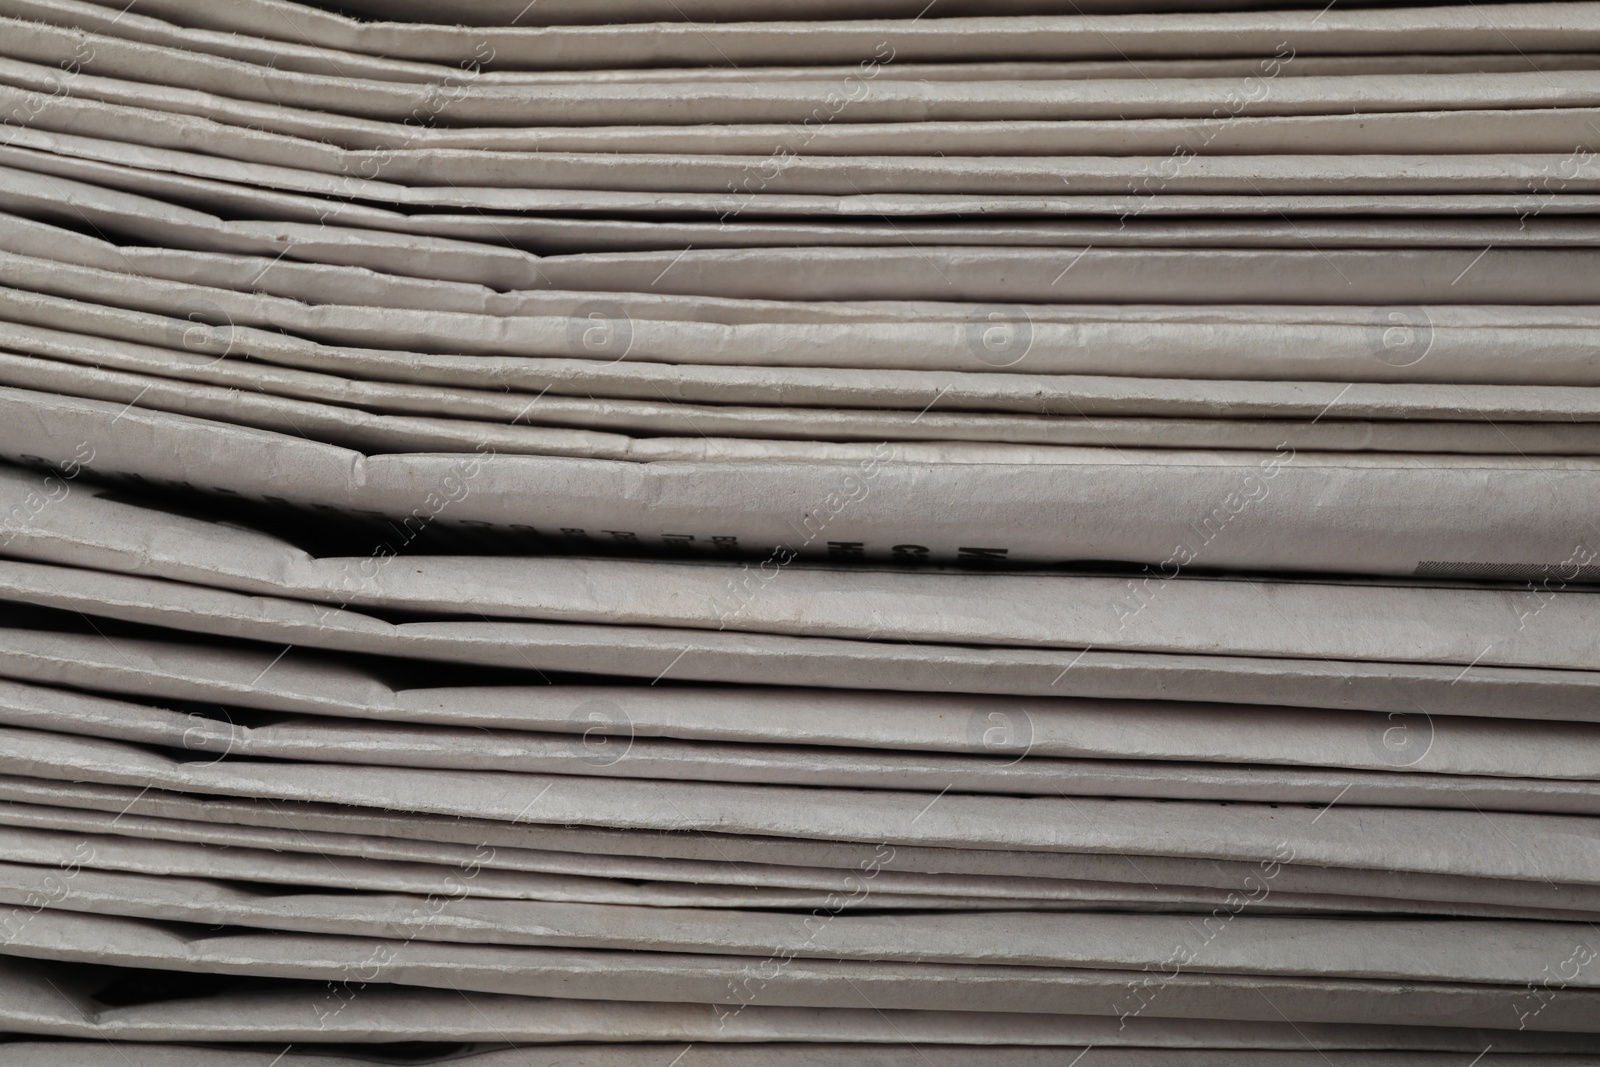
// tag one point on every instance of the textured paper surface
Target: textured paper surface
(81, 1054)
(1488, 28)
(1553, 846)
(770, 659)
(1063, 727)
(1470, 512)
(725, 858)
(796, 532)
(927, 986)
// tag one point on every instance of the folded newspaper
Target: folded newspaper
(656, 533)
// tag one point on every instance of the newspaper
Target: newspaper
(427, 257)
(1033, 612)
(86, 1053)
(967, 134)
(287, 866)
(1554, 847)
(490, 177)
(910, 520)
(156, 863)
(499, 13)
(626, 235)
(1014, 726)
(483, 414)
(769, 659)
(445, 376)
(888, 100)
(1354, 622)
(1458, 349)
(285, 401)
(832, 500)
(1419, 950)
(117, 110)
(80, 1054)
(703, 979)
(1338, 276)
(729, 859)
(294, 55)
(480, 168)
(629, 756)
(313, 282)
(1236, 349)
(252, 16)
(1188, 275)
(161, 847)
(242, 118)
(402, 1011)
(1529, 27)
(497, 176)
(159, 861)
(1276, 276)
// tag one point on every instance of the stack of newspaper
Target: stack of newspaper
(740, 533)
